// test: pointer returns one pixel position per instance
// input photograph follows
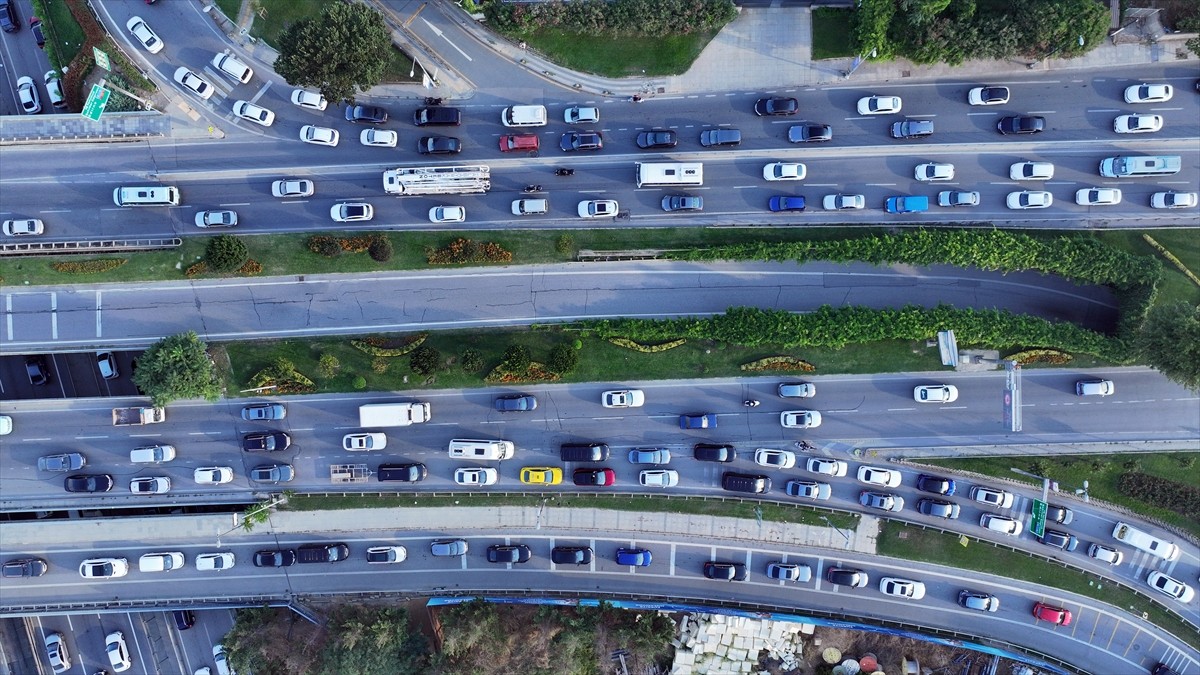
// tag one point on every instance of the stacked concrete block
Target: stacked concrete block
(715, 644)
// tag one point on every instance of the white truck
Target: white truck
(393, 414)
(437, 180)
(128, 417)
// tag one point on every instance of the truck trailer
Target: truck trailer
(393, 414)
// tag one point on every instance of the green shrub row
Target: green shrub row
(630, 17)
(839, 326)
(1166, 494)
(89, 266)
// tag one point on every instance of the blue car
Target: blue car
(638, 557)
(780, 203)
(698, 421)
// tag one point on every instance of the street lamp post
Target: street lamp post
(839, 531)
(238, 526)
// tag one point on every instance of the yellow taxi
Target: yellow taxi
(541, 475)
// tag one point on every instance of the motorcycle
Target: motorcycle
(432, 100)
(564, 172)
(533, 188)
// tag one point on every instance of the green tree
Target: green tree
(425, 360)
(1053, 27)
(1170, 341)
(177, 367)
(563, 359)
(226, 253)
(517, 358)
(373, 641)
(341, 51)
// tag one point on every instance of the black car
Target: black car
(745, 482)
(8, 16)
(25, 567)
(516, 403)
(581, 140)
(937, 507)
(912, 129)
(935, 484)
(404, 473)
(371, 114)
(439, 145)
(776, 106)
(682, 203)
(571, 555)
(88, 482)
(725, 571)
(35, 368)
(275, 558)
(35, 25)
(594, 477)
(508, 553)
(810, 133)
(1057, 539)
(656, 139)
(1021, 124)
(846, 576)
(714, 452)
(269, 441)
(437, 117)
(184, 619)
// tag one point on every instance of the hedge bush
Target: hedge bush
(1167, 494)
(646, 349)
(425, 360)
(563, 359)
(389, 346)
(88, 266)
(657, 18)
(380, 248)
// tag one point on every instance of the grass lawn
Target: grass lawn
(945, 549)
(1183, 244)
(1101, 472)
(273, 16)
(831, 33)
(230, 8)
(620, 55)
(775, 513)
(61, 29)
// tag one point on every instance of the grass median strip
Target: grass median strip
(768, 512)
(914, 543)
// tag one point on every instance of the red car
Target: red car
(1055, 615)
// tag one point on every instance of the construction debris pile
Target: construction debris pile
(715, 644)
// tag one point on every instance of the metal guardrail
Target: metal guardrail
(91, 246)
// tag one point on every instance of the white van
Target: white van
(160, 195)
(161, 562)
(232, 67)
(1143, 541)
(1094, 388)
(473, 449)
(524, 116)
(152, 454)
(530, 207)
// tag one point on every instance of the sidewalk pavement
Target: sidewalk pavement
(488, 520)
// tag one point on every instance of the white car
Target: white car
(992, 497)
(104, 568)
(1137, 124)
(1098, 196)
(213, 475)
(222, 661)
(1001, 524)
(797, 390)
(21, 228)
(935, 393)
(319, 135)
(476, 476)
(623, 398)
(871, 475)
(843, 202)
(930, 172)
(257, 114)
(118, 651)
(581, 115)
(386, 555)
(216, 219)
(292, 187)
(777, 459)
(902, 588)
(988, 96)
(379, 138)
(27, 93)
(1105, 554)
(447, 214)
(197, 84)
(879, 105)
(1149, 93)
(1170, 586)
(1029, 199)
(367, 441)
(827, 467)
(144, 35)
(800, 419)
(57, 653)
(350, 212)
(1031, 171)
(309, 99)
(598, 208)
(784, 171)
(151, 485)
(215, 562)
(663, 478)
(808, 489)
(1173, 200)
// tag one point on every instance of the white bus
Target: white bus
(1135, 165)
(653, 174)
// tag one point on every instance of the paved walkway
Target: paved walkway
(488, 519)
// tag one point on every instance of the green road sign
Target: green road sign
(94, 106)
(1037, 524)
(101, 59)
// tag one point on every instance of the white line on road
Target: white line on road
(57, 211)
(237, 204)
(983, 113)
(442, 35)
(1041, 112)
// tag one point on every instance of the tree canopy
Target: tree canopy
(341, 51)
(1170, 341)
(177, 367)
